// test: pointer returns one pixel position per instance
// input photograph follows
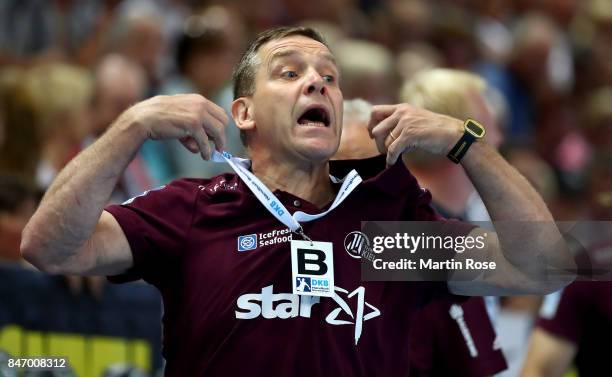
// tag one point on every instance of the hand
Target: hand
(190, 118)
(400, 128)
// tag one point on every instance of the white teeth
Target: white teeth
(314, 124)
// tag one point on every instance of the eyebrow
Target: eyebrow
(289, 53)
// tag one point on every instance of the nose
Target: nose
(314, 84)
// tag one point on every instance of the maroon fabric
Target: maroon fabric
(439, 348)
(367, 167)
(184, 238)
(584, 317)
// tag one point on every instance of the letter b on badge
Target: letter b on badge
(312, 267)
(311, 262)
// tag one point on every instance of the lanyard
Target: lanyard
(271, 202)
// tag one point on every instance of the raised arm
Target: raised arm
(69, 232)
(525, 230)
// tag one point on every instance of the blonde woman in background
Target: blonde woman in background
(59, 96)
(462, 95)
(20, 150)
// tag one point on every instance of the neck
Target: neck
(309, 181)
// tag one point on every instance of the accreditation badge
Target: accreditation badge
(312, 268)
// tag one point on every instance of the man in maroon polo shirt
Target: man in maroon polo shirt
(221, 259)
(574, 327)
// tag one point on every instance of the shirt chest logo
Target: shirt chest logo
(253, 241)
(248, 242)
(270, 305)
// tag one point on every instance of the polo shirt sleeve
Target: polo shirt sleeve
(565, 316)
(156, 224)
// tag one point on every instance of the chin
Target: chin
(317, 151)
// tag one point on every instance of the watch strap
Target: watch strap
(462, 146)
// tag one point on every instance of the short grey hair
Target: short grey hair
(246, 70)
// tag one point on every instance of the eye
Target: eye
(289, 74)
(329, 78)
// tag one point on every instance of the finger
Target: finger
(190, 144)
(380, 112)
(202, 139)
(215, 130)
(382, 131)
(391, 137)
(218, 112)
(401, 145)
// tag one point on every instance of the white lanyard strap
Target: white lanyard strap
(271, 202)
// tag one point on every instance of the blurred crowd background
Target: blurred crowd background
(68, 68)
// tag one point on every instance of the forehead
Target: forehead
(294, 45)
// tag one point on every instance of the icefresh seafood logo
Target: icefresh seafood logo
(248, 242)
(262, 239)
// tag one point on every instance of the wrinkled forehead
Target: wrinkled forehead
(294, 45)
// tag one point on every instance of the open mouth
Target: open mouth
(315, 117)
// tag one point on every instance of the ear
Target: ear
(242, 112)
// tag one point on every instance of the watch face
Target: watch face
(474, 128)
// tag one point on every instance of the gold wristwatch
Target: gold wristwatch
(472, 131)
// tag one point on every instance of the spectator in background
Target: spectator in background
(59, 96)
(411, 20)
(536, 170)
(573, 328)
(355, 143)
(453, 36)
(208, 48)
(599, 188)
(456, 93)
(462, 95)
(455, 337)
(598, 119)
(44, 31)
(492, 33)
(362, 61)
(139, 35)
(562, 12)
(332, 33)
(2, 122)
(541, 70)
(20, 152)
(18, 201)
(119, 83)
(415, 58)
(592, 37)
